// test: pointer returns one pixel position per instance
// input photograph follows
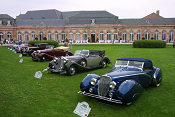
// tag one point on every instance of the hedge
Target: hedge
(50, 42)
(149, 44)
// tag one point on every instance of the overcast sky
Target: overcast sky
(121, 8)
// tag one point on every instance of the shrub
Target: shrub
(149, 44)
(97, 40)
(143, 38)
(50, 42)
(66, 40)
(44, 38)
(36, 38)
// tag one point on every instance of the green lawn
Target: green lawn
(22, 95)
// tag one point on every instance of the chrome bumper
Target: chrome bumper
(100, 97)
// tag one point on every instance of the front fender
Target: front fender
(129, 90)
(157, 77)
(85, 84)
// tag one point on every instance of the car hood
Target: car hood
(117, 73)
(46, 50)
(32, 47)
(73, 58)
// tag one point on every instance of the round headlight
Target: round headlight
(112, 85)
(93, 81)
(65, 61)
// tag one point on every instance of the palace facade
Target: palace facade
(84, 27)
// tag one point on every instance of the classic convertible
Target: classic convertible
(49, 54)
(82, 60)
(124, 83)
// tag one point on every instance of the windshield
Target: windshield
(81, 52)
(129, 63)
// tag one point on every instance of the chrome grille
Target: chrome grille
(60, 63)
(103, 86)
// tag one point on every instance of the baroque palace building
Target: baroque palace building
(84, 26)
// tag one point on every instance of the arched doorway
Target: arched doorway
(93, 37)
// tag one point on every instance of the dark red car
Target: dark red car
(38, 46)
(49, 54)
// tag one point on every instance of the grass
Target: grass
(56, 95)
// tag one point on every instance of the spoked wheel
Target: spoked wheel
(104, 64)
(71, 71)
(83, 63)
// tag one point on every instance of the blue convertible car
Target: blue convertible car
(124, 83)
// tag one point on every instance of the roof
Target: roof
(5, 16)
(148, 21)
(55, 17)
(135, 59)
(153, 15)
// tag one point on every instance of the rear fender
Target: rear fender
(85, 84)
(106, 59)
(129, 90)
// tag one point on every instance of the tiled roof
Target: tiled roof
(148, 21)
(5, 16)
(55, 17)
(153, 15)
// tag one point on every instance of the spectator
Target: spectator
(1, 42)
(66, 44)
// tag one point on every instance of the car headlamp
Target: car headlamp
(112, 85)
(64, 61)
(93, 81)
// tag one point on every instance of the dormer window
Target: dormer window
(0, 22)
(92, 21)
(8, 23)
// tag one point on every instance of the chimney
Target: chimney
(157, 12)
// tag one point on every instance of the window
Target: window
(77, 36)
(71, 36)
(84, 35)
(163, 35)
(131, 36)
(19, 36)
(41, 36)
(171, 36)
(115, 35)
(156, 35)
(138, 35)
(108, 35)
(56, 36)
(124, 36)
(9, 36)
(63, 36)
(101, 35)
(147, 35)
(33, 35)
(26, 37)
(1, 36)
(49, 36)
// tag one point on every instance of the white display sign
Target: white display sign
(20, 55)
(82, 109)
(38, 74)
(21, 60)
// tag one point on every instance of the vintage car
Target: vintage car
(49, 54)
(82, 60)
(38, 46)
(14, 46)
(21, 48)
(124, 83)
